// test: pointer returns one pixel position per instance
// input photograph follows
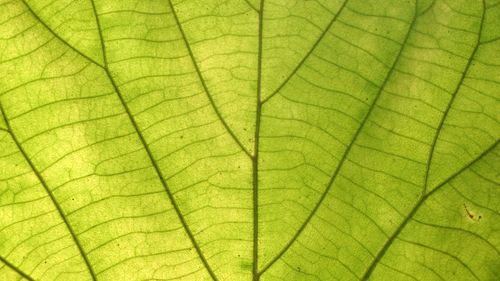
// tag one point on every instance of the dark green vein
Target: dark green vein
(255, 159)
(251, 6)
(13, 267)
(450, 103)
(299, 65)
(443, 253)
(419, 203)
(489, 41)
(400, 272)
(49, 192)
(148, 151)
(427, 9)
(217, 112)
(465, 231)
(203, 84)
(57, 35)
(346, 152)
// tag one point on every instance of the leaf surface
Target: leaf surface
(249, 140)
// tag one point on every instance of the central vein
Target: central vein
(255, 158)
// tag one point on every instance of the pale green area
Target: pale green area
(239, 140)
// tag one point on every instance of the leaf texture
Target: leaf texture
(249, 140)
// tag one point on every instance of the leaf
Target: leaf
(249, 140)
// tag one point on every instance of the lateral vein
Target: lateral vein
(299, 65)
(252, 6)
(17, 270)
(49, 192)
(346, 153)
(450, 102)
(150, 154)
(419, 203)
(424, 195)
(203, 83)
(57, 35)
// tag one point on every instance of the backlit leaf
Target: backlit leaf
(249, 140)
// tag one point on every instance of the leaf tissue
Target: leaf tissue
(258, 140)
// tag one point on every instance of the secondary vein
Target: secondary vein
(57, 35)
(450, 102)
(415, 208)
(424, 196)
(203, 83)
(251, 6)
(48, 191)
(346, 153)
(149, 153)
(17, 270)
(299, 65)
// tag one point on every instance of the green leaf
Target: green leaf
(249, 140)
